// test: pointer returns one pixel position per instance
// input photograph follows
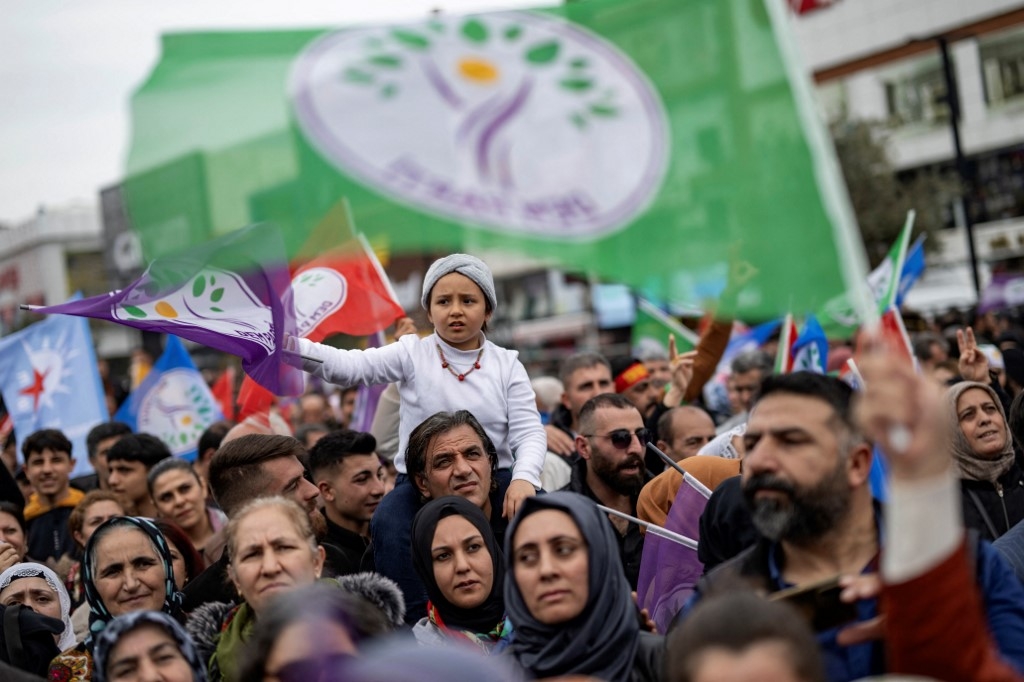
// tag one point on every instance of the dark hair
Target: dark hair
(165, 465)
(77, 518)
(924, 342)
(437, 424)
(17, 512)
(303, 431)
(838, 394)
(736, 621)
(139, 447)
(212, 437)
(361, 619)
(174, 535)
(336, 446)
(613, 400)
(582, 360)
(236, 469)
(46, 439)
(102, 432)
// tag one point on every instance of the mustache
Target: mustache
(631, 461)
(759, 482)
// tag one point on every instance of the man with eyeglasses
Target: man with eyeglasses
(612, 441)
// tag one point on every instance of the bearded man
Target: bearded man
(612, 441)
(806, 482)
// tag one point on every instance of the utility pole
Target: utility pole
(953, 99)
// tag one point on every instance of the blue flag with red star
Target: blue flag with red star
(172, 403)
(49, 380)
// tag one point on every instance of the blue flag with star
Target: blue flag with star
(172, 403)
(49, 380)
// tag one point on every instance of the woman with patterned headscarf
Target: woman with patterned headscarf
(136, 645)
(127, 567)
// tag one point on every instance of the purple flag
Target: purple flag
(669, 570)
(226, 294)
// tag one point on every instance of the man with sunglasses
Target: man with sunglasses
(612, 441)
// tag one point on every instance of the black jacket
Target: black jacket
(351, 547)
(631, 545)
(726, 528)
(994, 509)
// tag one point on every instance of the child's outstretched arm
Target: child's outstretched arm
(382, 365)
(526, 439)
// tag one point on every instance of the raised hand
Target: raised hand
(973, 363)
(681, 365)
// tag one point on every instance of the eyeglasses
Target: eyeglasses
(621, 438)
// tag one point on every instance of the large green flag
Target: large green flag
(649, 142)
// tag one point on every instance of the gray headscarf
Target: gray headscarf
(31, 570)
(972, 467)
(603, 639)
(464, 264)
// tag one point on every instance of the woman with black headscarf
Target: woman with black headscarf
(568, 597)
(458, 560)
(127, 567)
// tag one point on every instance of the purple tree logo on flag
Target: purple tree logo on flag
(512, 120)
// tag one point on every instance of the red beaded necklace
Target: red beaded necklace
(446, 365)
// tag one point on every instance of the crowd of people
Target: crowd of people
(493, 526)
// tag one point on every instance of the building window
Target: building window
(1002, 65)
(918, 97)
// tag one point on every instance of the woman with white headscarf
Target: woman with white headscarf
(39, 588)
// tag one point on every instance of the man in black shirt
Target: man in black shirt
(350, 477)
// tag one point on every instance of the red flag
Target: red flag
(344, 291)
(253, 399)
(893, 329)
(224, 392)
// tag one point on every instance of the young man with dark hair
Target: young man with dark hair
(98, 443)
(129, 462)
(48, 466)
(350, 477)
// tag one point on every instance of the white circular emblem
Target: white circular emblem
(512, 120)
(177, 410)
(317, 294)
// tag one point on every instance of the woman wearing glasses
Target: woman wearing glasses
(611, 471)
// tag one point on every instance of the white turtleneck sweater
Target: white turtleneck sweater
(498, 394)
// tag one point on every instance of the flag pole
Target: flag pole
(651, 528)
(665, 458)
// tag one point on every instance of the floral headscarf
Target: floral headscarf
(99, 615)
(123, 625)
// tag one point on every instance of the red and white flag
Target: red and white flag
(344, 291)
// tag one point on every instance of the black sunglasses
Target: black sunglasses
(621, 438)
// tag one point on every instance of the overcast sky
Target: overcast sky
(70, 66)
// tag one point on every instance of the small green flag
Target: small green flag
(652, 323)
(839, 318)
(648, 142)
